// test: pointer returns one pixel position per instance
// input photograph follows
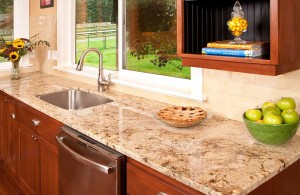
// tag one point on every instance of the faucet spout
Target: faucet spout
(103, 82)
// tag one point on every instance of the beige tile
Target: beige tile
(271, 81)
(219, 103)
(210, 84)
(259, 102)
(216, 74)
(243, 102)
(270, 94)
(232, 87)
(243, 78)
(293, 73)
(223, 86)
(261, 92)
(236, 114)
(293, 83)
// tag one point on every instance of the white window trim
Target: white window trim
(190, 89)
(21, 29)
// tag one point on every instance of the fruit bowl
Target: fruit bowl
(271, 134)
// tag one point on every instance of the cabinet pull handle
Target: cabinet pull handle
(35, 139)
(35, 122)
(32, 136)
(161, 193)
(5, 100)
(13, 115)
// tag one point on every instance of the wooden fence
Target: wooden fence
(97, 30)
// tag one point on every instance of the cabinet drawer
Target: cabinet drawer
(40, 123)
(144, 180)
(139, 182)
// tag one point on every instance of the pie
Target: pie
(182, 116)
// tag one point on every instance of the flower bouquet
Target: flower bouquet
(14, 50)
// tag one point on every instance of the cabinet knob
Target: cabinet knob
(5, 100)
(13, 115)
(161, 193)
(34, 138)
(35, 122)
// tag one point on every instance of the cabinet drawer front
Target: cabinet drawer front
(41, 124)
(140, 182)
(48, 129)
(26, 116)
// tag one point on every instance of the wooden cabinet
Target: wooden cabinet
(38, 151)
(144, 180)
(200, 22)
(28, 147)
(8, 135)
(28, 160)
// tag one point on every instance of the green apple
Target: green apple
(253, 114)
(271, 118)
(273, 109)
(286, 103)
(290, 116)
(267, 104)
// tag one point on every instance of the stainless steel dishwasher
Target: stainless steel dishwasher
(88, 167)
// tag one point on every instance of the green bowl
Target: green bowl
(271, 134)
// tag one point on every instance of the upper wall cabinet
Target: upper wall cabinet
(278, 21)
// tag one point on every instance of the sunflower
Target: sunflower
(13, 56)
(18, 43)
(2, 50)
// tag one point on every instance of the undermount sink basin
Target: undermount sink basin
(72, 99)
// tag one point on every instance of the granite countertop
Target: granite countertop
(216, 157)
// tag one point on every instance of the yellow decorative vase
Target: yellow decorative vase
(15, 70)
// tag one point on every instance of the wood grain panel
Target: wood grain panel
(48, 127)
(285, 183)
(144, 180)
(48, 167)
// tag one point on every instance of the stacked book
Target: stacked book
(248, 49)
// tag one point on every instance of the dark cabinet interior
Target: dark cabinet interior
(202, 21)
(206, 21)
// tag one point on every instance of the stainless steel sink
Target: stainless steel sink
(72, 99)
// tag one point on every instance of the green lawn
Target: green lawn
(142, 65)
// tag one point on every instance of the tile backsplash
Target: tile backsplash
(229, 93)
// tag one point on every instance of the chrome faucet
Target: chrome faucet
(103, 82)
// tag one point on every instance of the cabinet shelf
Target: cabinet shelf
(201, 22)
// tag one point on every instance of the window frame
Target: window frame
(190, 89)
(21, 28)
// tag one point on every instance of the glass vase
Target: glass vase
(237, 25)
(15, 70)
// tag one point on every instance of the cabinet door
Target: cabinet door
(144, 180)
(1, 136)
(7, 107)
(48, 159)
(14, 149)
(5, 121)
(28, 173)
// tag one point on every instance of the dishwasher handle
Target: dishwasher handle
(103, 168)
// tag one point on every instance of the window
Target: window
(96, 26)
(151, 43)
(14, 22)
(6, 21)
(133, 50)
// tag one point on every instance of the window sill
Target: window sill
(5, 66)
(159, 84)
